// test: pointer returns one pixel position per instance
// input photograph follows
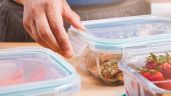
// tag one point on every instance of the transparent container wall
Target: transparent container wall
(79, 43)
(119, 28)
(103, 65)
(134, 88)
(137, 85)
(163, 84)
(129, 28)
(25, 68)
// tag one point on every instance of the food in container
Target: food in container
(100, 47)
(32, 71)
(147, 70)
(104, 66)
(157, 68)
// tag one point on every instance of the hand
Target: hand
(43, 20)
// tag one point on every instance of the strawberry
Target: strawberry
(166, 70)
(157, 69)
(153, 75)
(154, 61)
(151, 62)
(151, 65)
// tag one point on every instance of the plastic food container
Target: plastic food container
(100, 48)
(135, 83)
(36, 71)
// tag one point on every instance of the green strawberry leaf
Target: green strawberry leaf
(162, 59)
(154, 57)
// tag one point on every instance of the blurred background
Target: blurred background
(161, 7)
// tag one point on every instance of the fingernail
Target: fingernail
(83, 27)
(68, 56)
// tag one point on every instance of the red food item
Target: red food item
(39, 75)
(157, 69)
(153, 76)
(152, 61)
(16, 78)
(151, 65)
(166, 70)
(12, 81)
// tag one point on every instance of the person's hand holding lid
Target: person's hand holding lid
(43, 20)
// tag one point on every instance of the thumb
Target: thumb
(72, 18)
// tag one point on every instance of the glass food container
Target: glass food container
(99, 48)
(33, 71)
(135, 82)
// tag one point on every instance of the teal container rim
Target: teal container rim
(114, 44)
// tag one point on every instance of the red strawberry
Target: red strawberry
(166, 70)
(153, 76)
(151, 62)
(151, 65)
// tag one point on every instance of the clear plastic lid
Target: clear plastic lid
(113, 34)
(33, 70)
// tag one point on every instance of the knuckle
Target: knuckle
(64, 44)
(37, 39)
(54, 26)
(43, 33)
(46, 3)
(70, 17)
(33, 9)
(66, 48)
(26, 26)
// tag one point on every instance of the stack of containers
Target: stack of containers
(36, 72)
(101, 47)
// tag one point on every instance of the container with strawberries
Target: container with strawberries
(157, 69)
(147, 70)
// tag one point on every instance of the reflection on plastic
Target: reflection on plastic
(163, 84)
(18, 77)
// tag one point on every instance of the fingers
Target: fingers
(43, 20)
(45, 33)
(39, 30)
(35, 35)
(56, 24)
(72, 17)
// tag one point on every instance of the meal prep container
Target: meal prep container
(36, 71)
(136, 84)
(100, 48)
